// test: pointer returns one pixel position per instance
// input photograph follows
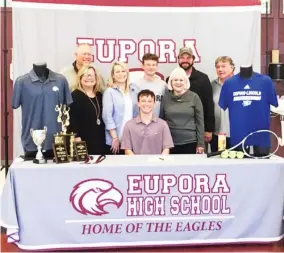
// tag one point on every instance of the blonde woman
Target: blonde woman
(86, 111)
(119, 105)
(182, 110)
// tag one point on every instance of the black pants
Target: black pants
(214, 143)
(189, 148)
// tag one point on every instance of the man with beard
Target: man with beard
(200, 84)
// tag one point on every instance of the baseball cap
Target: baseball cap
(185, 50)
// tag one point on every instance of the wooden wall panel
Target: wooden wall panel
(275, 41)
(10, 85)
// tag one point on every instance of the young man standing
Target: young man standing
(150, 81)
(146, 134)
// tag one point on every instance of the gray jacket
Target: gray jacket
(184, 115)
(222, 123)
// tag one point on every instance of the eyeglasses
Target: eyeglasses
(89, 75)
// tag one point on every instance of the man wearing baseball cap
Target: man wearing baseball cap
(200, 84)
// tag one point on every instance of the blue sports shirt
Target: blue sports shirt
(248, 102)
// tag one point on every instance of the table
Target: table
(143, 201)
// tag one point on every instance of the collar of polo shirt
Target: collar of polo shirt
(138, 119)
(35, 78)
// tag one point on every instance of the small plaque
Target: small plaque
(81, 150)
(60, 153)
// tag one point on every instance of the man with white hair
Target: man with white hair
(83, 57)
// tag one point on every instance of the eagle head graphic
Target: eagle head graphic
(92, 195)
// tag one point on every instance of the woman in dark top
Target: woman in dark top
(86, 111)
(182, 110)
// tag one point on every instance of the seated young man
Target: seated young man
(146, 134)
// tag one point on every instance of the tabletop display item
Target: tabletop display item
(38, 137)
(63, 143)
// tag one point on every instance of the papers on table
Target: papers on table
(161, 158)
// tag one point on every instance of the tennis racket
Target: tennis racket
(240, 154)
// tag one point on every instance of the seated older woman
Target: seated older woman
(182, 110)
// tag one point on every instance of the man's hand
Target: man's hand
(208, 136)
(128, 152)
(166, 151)
(78, 139)
(199, 150)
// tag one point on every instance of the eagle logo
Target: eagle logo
(92, 195)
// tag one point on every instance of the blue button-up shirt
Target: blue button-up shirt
(113, 109)
(38, 101)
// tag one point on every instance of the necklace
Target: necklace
(97, 109)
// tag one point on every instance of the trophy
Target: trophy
(59, 149)
(63, 117)
(63, 141)
(38, 137)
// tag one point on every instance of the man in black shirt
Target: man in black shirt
(200, 84)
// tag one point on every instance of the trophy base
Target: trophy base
(71, 159)
(39, 161)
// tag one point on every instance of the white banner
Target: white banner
(49, 33)
(182, 201)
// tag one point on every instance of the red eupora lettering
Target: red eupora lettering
(185, 184)
(107, 50)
